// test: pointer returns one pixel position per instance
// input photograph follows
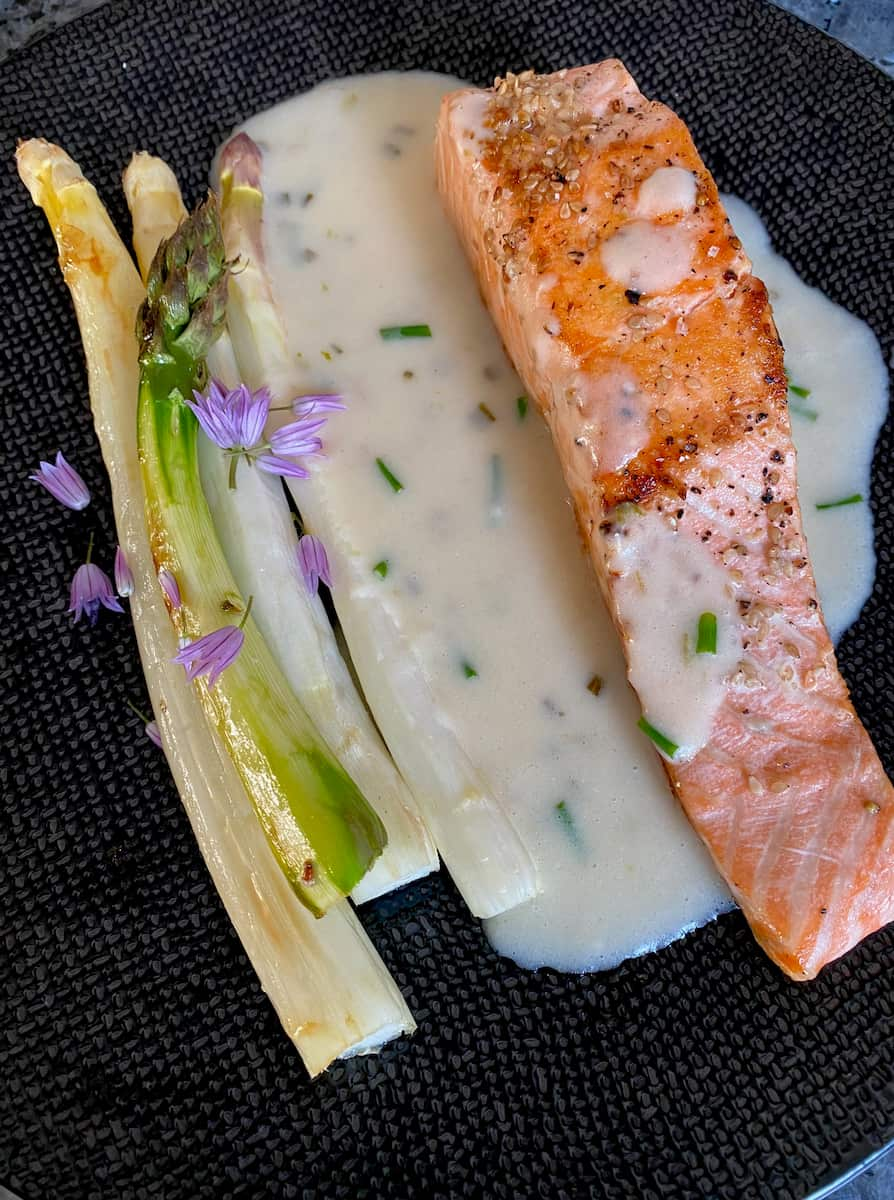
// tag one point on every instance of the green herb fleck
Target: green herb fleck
(486, 411)
(394, 333)
(469, 671)
(389, 476)
(707, 634)
(664, 744)
(795, 388)
(566, 820)
(522, 405)
(139, 712)
(326, 355)
(381, 568)
(801, 410)
(595, 685)
(855, 499)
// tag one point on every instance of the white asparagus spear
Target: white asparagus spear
(476, 839)
(328, 985)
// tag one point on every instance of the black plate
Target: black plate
(138, 1056)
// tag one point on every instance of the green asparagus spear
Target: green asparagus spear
(323, 833)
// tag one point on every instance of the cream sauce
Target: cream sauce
(648, 257)
(667, 190)
(499, 608)
(668, 580)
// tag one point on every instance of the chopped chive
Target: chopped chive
(855, 499)
(707, 634)
(795, 388)
(389, 476)
(595, 685)
(138, 711)
(801, 410)
(486, 412)
(381, 568)
(393, 333)
(566, 820)
(522, 405)
(469, 671)
(661, 741)
(326, 355)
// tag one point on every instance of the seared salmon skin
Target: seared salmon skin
(630, 311)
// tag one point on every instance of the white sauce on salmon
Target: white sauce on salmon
(667, 581)
(647, 257)
(485, 572)
(667, 190)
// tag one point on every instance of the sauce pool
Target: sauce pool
(474, 540)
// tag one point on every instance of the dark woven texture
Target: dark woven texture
(138, 1056)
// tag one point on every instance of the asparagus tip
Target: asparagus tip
(240, 162)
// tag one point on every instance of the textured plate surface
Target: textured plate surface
(138, 1056)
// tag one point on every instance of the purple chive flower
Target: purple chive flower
(297, 438)
(90, 588)
(314, 563)
(323, 402)
(234, 420)
(274, 465)
(213, 653)
(63, 483)
(123, 574)
(170, 587)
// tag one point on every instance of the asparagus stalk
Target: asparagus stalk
(328, 985)
(322, 830)
(474, 835)
(259, 540)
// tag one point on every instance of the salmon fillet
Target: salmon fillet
(629, 309)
